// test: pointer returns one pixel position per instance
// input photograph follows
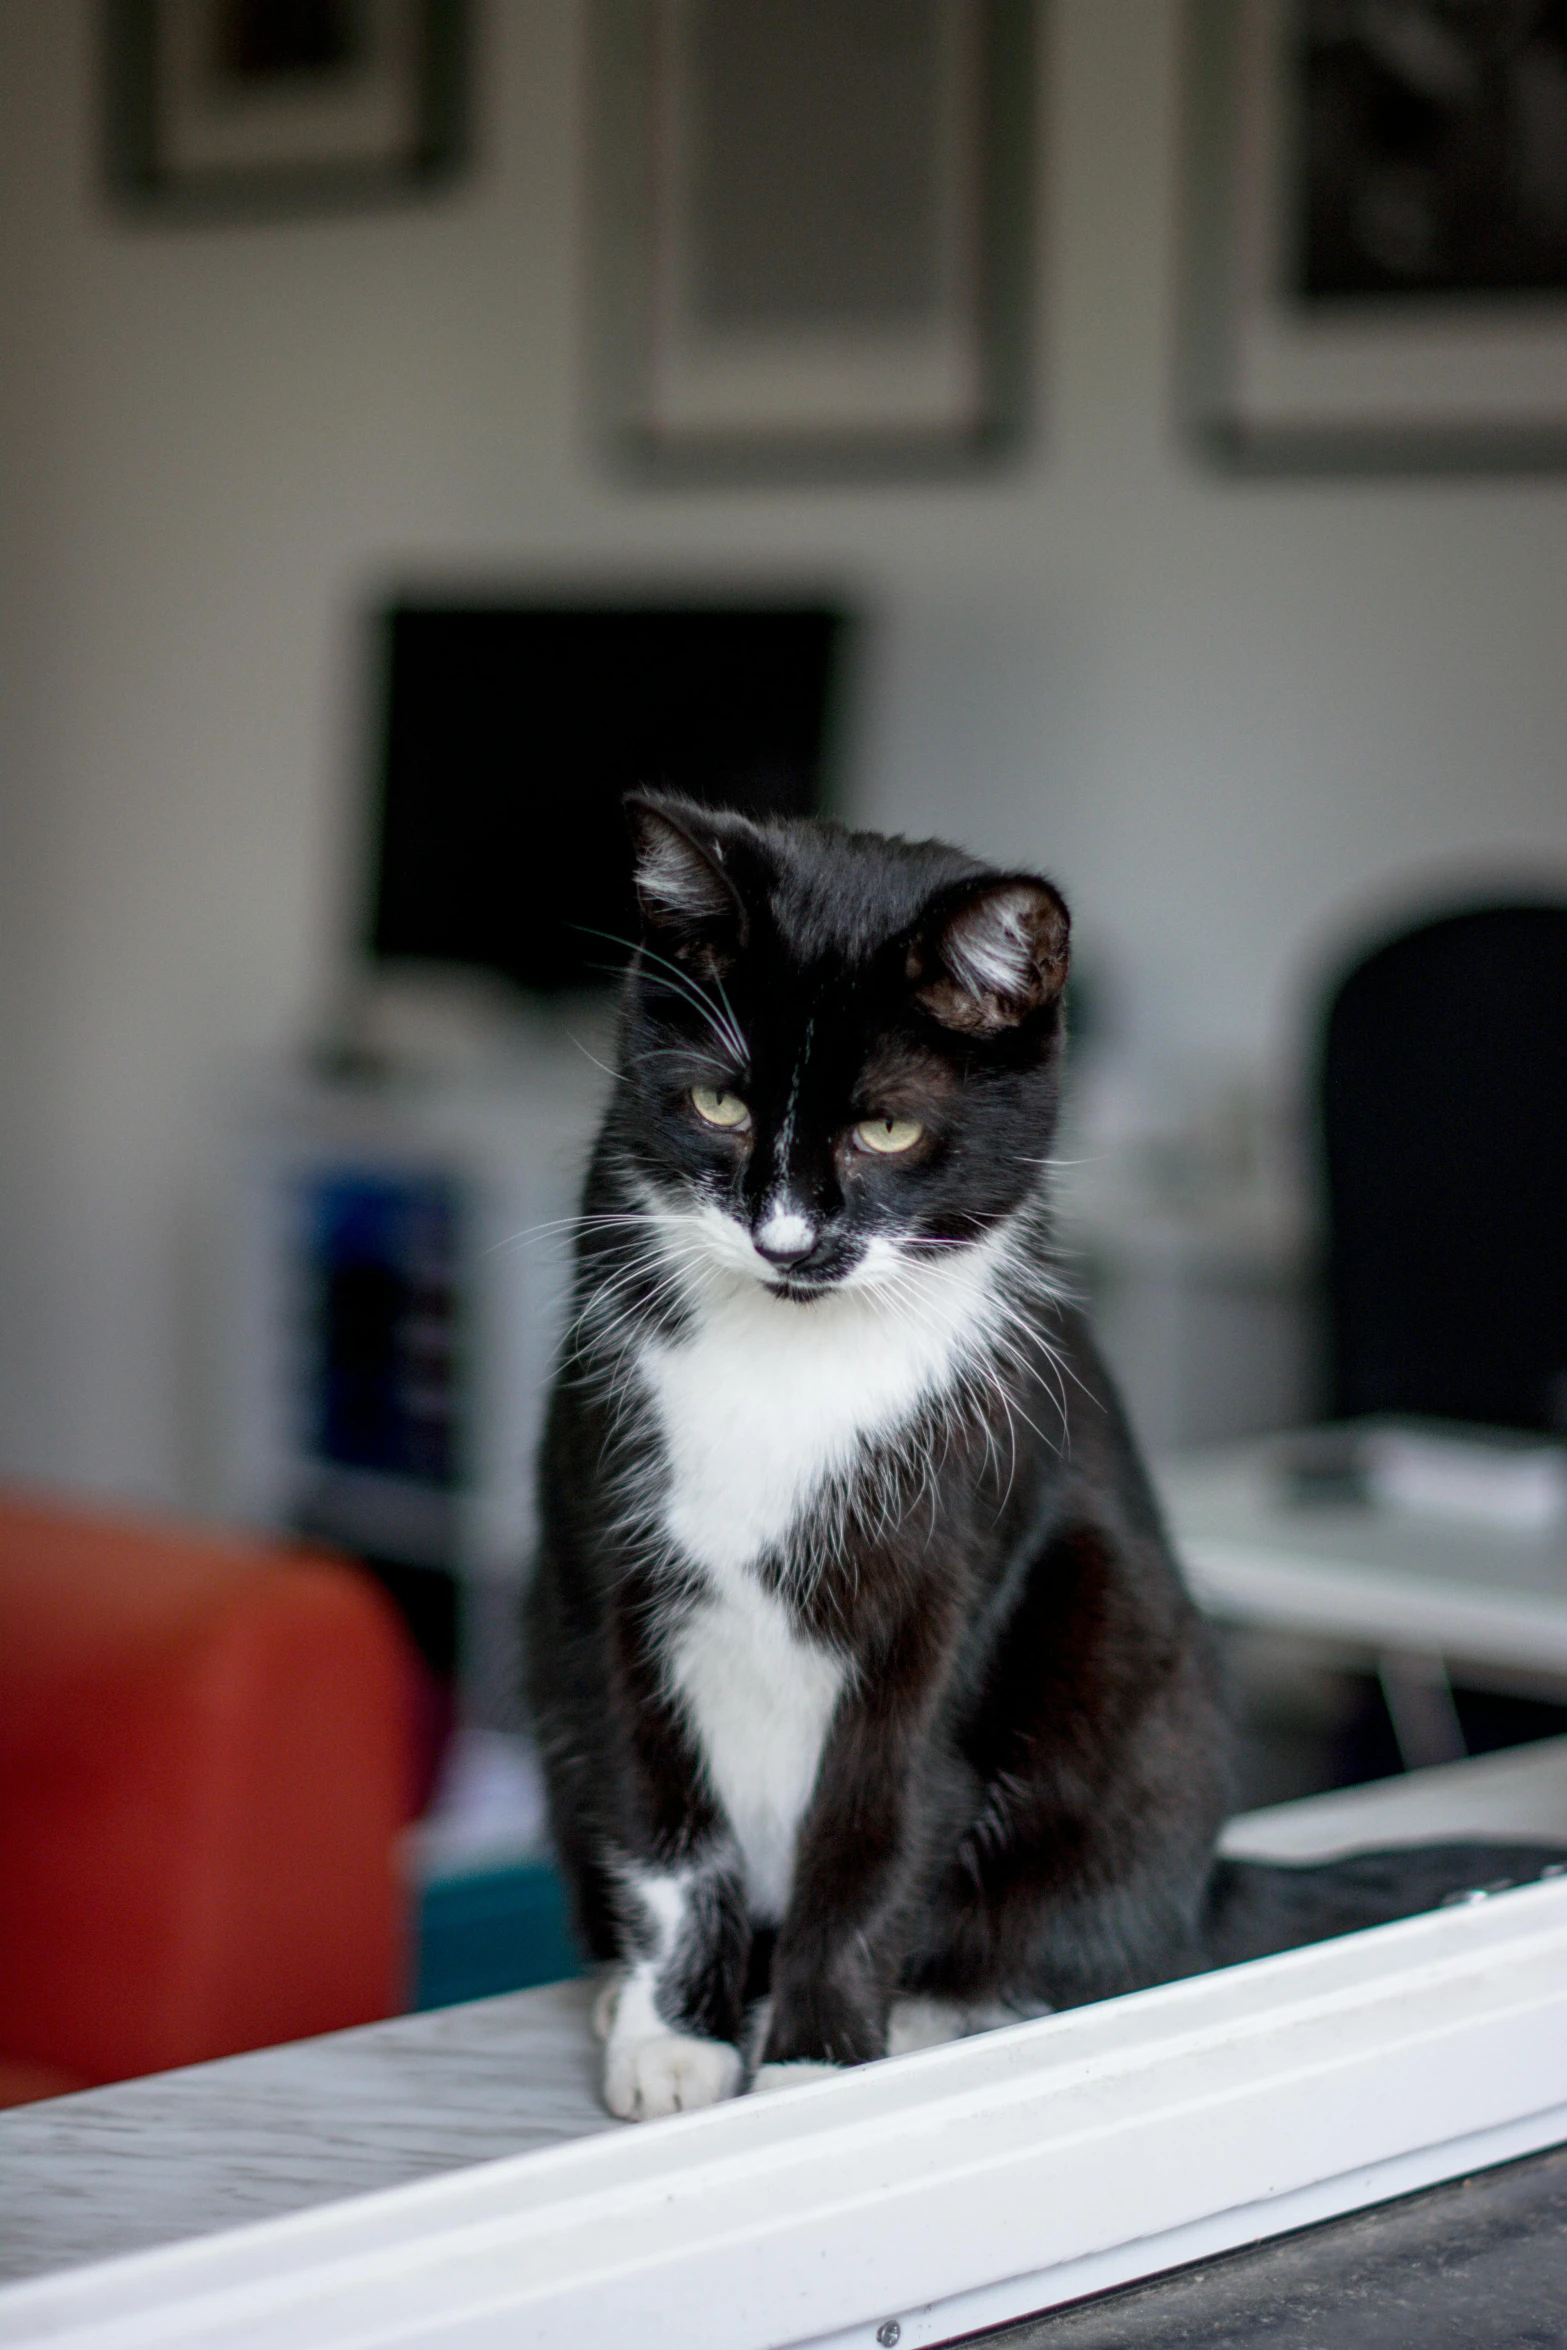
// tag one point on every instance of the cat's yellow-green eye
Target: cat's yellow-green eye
(888, 1135)
(720, 1109)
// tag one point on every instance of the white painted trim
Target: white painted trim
(1246, 2223)
(957, 2187)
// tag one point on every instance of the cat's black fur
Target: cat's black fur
(1024, 1770)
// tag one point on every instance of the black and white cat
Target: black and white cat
(872, 1706)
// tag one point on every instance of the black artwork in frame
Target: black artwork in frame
(1433, 149)
(260, 47)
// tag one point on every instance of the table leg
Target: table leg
(1420, 1705)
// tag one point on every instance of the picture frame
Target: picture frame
(252, 109)
(739, 332)
(1376, 233)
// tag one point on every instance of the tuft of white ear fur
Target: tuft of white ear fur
(679, 880)
(990, 947)
(994, 957)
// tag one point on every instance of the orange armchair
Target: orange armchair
(204, 1765)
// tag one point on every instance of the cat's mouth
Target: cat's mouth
(712, 1236)
(850, 1266)
(802, 1287)
(708, 1237)
(804, 1281)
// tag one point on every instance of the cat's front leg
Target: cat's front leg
(670, 2017)
(829, 2010)
(839, 1950)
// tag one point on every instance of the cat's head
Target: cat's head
(841, 1052)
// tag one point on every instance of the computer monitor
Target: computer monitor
(513, 732)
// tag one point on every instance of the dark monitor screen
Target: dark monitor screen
(513, 732)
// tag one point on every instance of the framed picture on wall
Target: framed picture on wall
(250, 107)
(812, 223)
(1378, 234)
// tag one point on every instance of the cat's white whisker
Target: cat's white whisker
(721, 1015)
(615, 1076)
(531, 1234)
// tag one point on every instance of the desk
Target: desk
(1423, 1596)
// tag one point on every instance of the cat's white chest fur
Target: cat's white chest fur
(759, 1405)
(759, 1700)
(764, 1400)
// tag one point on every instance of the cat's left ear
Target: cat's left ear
(990, 953)
(683, 888)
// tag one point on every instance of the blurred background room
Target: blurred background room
(1125, 437)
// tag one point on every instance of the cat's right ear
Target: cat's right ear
(685, 894)
(992, 953)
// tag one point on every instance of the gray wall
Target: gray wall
(1234, 718)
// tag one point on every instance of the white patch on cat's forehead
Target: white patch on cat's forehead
(783, 1145)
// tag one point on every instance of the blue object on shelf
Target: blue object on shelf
(493, 1930)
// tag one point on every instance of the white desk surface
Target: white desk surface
(185, 2153)
(1381, 1578)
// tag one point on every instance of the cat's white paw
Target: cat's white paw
(671, 2072)
(924, 2023)
(791, 2075)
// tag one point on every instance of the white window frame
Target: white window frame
(945, 2191)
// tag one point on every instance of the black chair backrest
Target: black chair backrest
(1444, 1130)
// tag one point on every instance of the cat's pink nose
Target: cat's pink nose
(785, 1239)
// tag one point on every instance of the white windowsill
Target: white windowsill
(949, 2190)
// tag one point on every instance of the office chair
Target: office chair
(1444, 1133)
(1443, 1105)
